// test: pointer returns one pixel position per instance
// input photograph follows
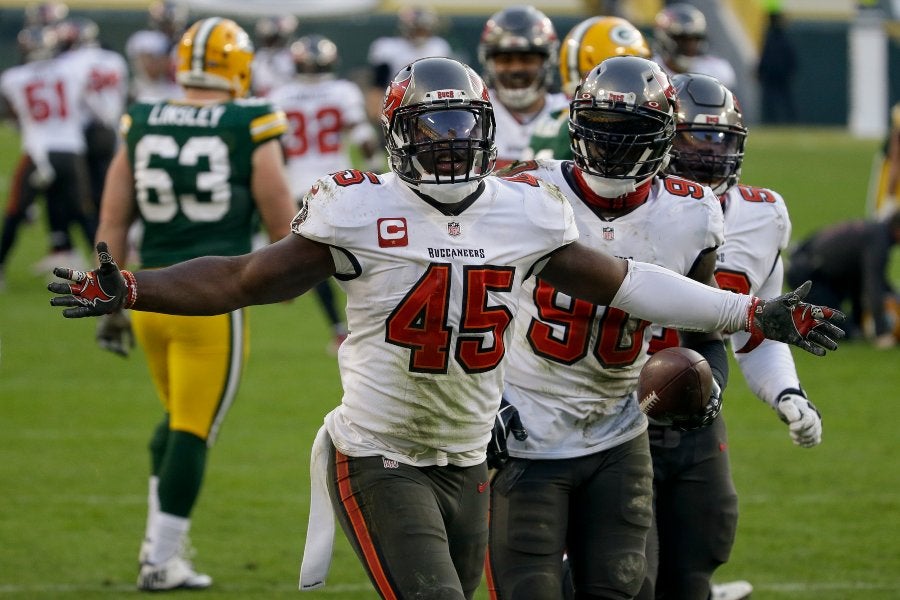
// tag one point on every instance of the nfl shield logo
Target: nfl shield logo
(453, 228)
(609, 233)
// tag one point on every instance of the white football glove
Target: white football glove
(42, 177)
(801, 417)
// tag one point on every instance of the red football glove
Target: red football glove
(788, 319)
(99, 292)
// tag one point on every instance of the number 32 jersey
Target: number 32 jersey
(431, 302)
(573, 365)
(192, 168)
(320, 113)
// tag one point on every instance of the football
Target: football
(674, 384)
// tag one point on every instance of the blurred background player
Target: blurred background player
(43, 14)
(418, 38)
(848, 264)
(582, 480)
(681, 45)
(106, 95)
(776, 70)
(326, 116)
(272, 63)
(199, 173)
(587, 44)
(45, 96)
(884, 186)
(518, 51)
(696, 506)
(150, 53)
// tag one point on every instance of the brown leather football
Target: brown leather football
(675, 383)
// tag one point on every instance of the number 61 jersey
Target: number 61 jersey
(431, 300)
(192, 171)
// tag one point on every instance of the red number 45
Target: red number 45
(420, 321)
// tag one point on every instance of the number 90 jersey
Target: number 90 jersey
(192, 168)
(431, 301)
(573, 365)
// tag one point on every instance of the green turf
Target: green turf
(74, 424)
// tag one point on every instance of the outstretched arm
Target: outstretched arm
(202, 286)
(662, 296)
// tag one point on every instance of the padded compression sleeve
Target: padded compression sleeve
(664, 297)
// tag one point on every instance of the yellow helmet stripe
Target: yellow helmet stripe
(201, 40)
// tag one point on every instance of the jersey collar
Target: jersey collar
(628, 201)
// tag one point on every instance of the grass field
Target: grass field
(74, 423)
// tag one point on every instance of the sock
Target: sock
(181, 473)
(167, 534)
(152, 511)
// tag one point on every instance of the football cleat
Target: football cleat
(175, 573)
(733, 590)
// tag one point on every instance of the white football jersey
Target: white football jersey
(319, 113)
(145, 88)
(757, 231)
(706, 64)
(512, 135)
(397, 52)
(271, 68)
(106, 95)
(573, 365)
(431, 301)
(48, 99)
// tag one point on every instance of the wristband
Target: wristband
(751, 313)
(130, 287)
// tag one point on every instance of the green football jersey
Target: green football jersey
(192, 168)
(550, 139)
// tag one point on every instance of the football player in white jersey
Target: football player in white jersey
(151, 53)
(417, 27)
(325, 116)
(272, 64)
(692, 468)
(106, 95)
(679, 36)
(582, 479)
(431, 256)
(519, 53)
(45, 96)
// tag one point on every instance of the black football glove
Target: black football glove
(704, 419)
(788, 319)
(92, 293)
(114, 333)
(507, 422)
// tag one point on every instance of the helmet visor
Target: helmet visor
(710, 156)
(443, 125)
(618, 144)
(448, 142)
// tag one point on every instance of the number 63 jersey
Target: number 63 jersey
(574, 365)
(192, 171)
(431, 301)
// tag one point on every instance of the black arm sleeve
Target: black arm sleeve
(714, 353)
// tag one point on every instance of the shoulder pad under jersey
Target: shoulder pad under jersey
(346, 198)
